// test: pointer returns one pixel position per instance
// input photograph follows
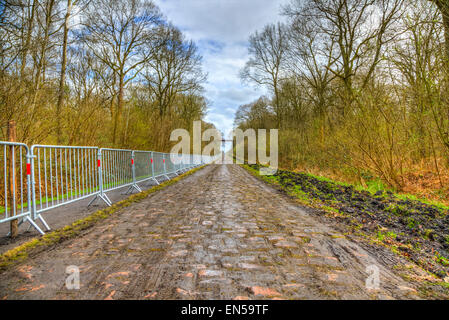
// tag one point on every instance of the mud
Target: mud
(419, 230)
(218, 234)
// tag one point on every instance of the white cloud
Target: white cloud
(221, 29)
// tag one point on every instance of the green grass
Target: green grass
(372, 186)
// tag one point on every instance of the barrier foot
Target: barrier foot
(43, 222)
(103, 197)
(134, 186)
(106, 199)
(155, 180)
(32, 223)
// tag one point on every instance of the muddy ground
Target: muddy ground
(415, 229)
(217, 234)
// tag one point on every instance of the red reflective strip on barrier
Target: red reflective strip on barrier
(99, 163)
(28, 168)
(163, 160)
(132, 161)
(151, 160)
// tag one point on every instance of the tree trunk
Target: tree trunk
(11, 176)
(62, 77)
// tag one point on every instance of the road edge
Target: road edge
(39, 244)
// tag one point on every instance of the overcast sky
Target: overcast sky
(221, 29)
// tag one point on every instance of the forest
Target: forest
(359, 90)
(112, 73)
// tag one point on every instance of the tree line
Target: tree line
(358, 88)
(105, 72)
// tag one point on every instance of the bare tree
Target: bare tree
(175, 68)
(267, 51)
(443, 6)
(310, 57)
(118, 33)
(359, 28)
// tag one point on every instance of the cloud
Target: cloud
(221, 29)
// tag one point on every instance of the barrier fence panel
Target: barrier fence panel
(158, 162)
(170, 165)
(143, 165)
(62, 175)
(184, 162)
(117, 168)
(45, 177)
(15, 198)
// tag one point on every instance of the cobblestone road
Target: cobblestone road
(218, 234)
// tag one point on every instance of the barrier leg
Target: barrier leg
(133, 186)
(32, 223)
(39, 216)
(154, 179)
(102, 197)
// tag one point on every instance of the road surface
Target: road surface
(217, 234)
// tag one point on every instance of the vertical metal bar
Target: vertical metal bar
(133, 168)
(75, 172)
(13, 174)
(39, 175)
(152, 163)
(30, 187)
(62, 175)
(87, 166)
(90, 171)
(99, 166)
(114, 165)
(21, 179)
(5, 182)
(91, 176)
(104, 168)
(46, 180)
(65, 169)
(78, 168)
(83, 186)
(51, 176)
(32, 184)
(71, 178)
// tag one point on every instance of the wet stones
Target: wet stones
(285, 244)
(210, 273)
(264, 291)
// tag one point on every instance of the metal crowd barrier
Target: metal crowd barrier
(61, 175)
(45, 177)
(16, 177)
